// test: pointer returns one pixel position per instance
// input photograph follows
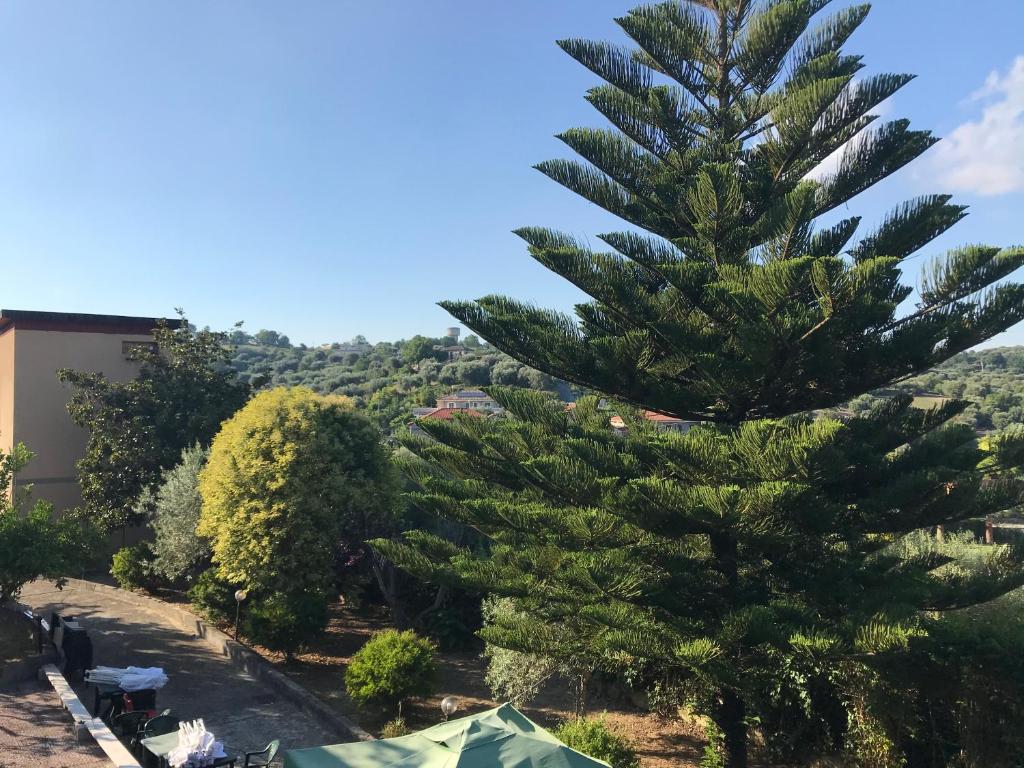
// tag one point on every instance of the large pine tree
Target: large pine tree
(768, 532)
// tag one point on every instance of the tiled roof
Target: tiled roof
(450, 413)
(655, 416)
(469, 393)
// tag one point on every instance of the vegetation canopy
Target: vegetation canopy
(33, 543)
(285, 477)
(138, 428)
(751, 567)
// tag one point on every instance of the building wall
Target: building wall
(7, 391)
(39, 405)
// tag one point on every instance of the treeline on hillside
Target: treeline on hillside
(389, 379)
(991, 380)
(392, 378)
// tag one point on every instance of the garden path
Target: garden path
(238, 708)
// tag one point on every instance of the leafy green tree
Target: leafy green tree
(238, 336)
(33, 543)
(420, 348)
(290, 478)
(714, 558)
(174, 515)
(137, 428)
(271, 338)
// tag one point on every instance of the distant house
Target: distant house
(470, 398)
(662, 421)
(453, 352)
(439, 414)
(358, 349)
(669, 423)
(33, 403)
(447, 414)
(471, 402)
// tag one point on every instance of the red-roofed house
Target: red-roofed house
(447, 414)
(669, 423)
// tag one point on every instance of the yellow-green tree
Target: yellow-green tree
(293, 478)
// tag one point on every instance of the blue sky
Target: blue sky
(334, 168)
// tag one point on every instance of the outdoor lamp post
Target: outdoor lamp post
(448, 706)
(240, 595)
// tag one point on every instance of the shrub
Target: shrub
(284, 622)
(513, 676)
(131, 567)
(516, 677)
(32, 543)
(390, 667)
(174, 514)
(394, 728)
(212, 596)
(592, 736)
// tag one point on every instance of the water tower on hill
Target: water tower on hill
(452, 333)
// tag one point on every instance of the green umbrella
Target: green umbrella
(498, 738)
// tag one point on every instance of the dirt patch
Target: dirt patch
(660, 742)
(17, 636)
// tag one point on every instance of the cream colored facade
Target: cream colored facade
(33, 403)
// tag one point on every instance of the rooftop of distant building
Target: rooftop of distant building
(79, 322)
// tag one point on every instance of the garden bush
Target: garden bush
(395, 728)
(288, 477)
(513, 676)
(392, 666)
(33, 544)
(173, 510)
(284, 622)
(131, 566)
(592, 736)
(213, 597)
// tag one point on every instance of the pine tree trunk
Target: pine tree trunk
(732, 720)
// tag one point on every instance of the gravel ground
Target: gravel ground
(35, 732)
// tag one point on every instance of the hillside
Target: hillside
(389, 379)
(991, 380)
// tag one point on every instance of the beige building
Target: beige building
(33, 403)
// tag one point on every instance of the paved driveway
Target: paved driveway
(239, 709)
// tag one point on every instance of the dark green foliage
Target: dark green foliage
(212, 596)
(753, 565)
(132, 567)
(33, 544)
(392, 666)
(137, 428)
(451, 627)
(422, 348)
(593, 736)
(963, 689)
(388, 379)
(286, 622)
